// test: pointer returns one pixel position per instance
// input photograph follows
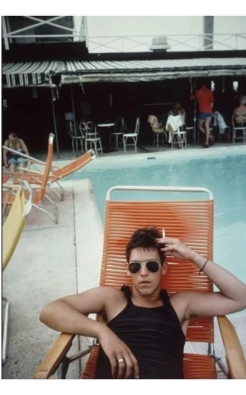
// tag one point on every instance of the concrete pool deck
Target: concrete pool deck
(51, 261)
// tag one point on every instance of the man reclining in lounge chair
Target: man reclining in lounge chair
(142, 332)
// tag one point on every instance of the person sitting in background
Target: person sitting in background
(13, 159)
(173, 126)
(178, 110)
(239, 113)
(205, 100)
(155, 125)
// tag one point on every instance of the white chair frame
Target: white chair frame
(179, 132)
(91, 137)
(76, 137)
(240, 127)
(175, 140)
(120, 125)
(133, 136)
(158, 138)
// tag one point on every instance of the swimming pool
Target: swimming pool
(222, 171)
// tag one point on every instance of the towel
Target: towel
(175, 122)
(182, 116)
(219, 121)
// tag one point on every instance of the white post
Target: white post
(208, 31)
(5, 35)
(85, 22)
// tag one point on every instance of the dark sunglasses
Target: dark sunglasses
(152, 266)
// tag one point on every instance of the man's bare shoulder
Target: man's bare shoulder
(180, 302)
(94, 300)
(111, 297)
(189, 305)
(182, 299)
(101, 293)
(105, 290)
(108, 291)
(179, 298)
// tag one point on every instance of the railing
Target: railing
(177, 42)
(137, 43)
(77, 33)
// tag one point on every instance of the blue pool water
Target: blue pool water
(223, 172)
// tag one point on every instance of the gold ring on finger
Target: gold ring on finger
(121, 360)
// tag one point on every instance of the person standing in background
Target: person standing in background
(205, 99)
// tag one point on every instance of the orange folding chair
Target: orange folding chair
(34, 175)
(39, 190)
(187, 214)
(70, 168)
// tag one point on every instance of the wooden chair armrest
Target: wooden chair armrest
(234, 353)
(54, 356)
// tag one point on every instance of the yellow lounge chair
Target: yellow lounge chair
(192, 222)
(12, 230)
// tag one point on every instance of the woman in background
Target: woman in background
(178, 110)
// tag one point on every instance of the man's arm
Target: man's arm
(230, 299)
(24, 147)
(69, 315)
(232, 295)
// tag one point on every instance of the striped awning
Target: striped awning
(75, 72)
(29, 74)
(150, 70)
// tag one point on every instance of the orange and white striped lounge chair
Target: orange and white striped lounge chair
(12, 230)
(189, 217)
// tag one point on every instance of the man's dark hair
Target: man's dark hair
(145, 238)
(12, 133)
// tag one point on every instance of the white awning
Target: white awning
(150, 70)
(29, 74)
(75, 72)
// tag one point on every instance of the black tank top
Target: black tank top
(155, 337)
